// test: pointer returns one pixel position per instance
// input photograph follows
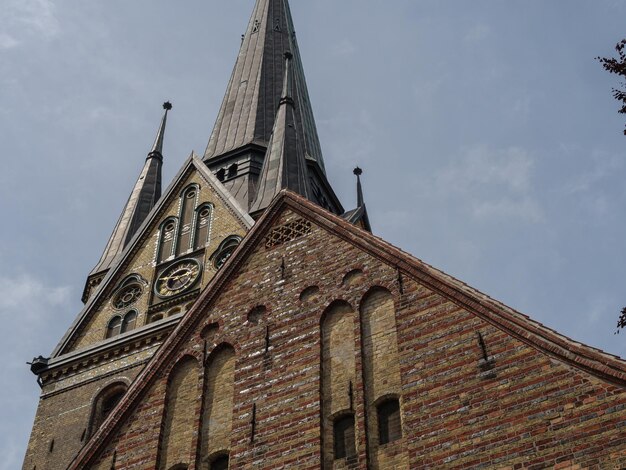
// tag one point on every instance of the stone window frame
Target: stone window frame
(216, 456)
(337, 418)
(159, 252)
(183, 201)
(116, 389)
(385, 434)
(197, 245)
(123, 326)
(226, 248)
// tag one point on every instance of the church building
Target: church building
(243, 318)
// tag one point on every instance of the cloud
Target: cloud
(496, 183)
(29, 311)
(23, 19)
(344, 48)
(525, 209)
(477, 33)
(483, 166)
(7, 41)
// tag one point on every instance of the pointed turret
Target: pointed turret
(144, 196)
(285, 164)
(241, 135)
(359, 215)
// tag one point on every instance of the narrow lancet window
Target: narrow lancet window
(115, 327)
(129, 322)
(104, 403)
(389, 422)
(188, 206)
(166, 240)
(343, 437)
(203, 225)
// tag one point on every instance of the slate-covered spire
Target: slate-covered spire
(285, 164)
(241, 135)
(249, 108)
(359, 215)
(144, 196)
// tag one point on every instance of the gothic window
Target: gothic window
(203, 225)
(129, 322)
(104, 404)
(225, 250)
(343, 437)
(166, 240)
(115, 326)
(389, 423)
(188, 206)
(220, 463)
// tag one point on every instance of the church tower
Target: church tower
(243, 319)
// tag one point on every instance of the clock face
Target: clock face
(177, 278)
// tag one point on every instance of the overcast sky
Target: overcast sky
(490, 142)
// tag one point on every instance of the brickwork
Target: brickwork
(183, 395)
(517, 408)
(64, 415)
(338, 370)
(217, 418)
(381, 367)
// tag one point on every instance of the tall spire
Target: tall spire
(144, 196)
(241, 136)
(249, 108)
(285, 164)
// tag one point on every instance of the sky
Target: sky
(490, 143)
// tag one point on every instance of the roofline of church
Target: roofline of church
(593, 361)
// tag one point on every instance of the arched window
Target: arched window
(232, 170)
(343, 437)
(219, 463)
(166, 239)
(226, 248)
(203, 225)
(115, 326)
(187, 209)
(104, 403)
(389, 423)
(129, 322)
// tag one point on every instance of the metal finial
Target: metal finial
(288, 55)
(358, 171)
(167, 106)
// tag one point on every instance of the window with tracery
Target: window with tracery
(225, 250)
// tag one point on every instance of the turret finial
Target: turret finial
(359, 190)
(167, 106)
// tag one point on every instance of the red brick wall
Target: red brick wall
(519, 409)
